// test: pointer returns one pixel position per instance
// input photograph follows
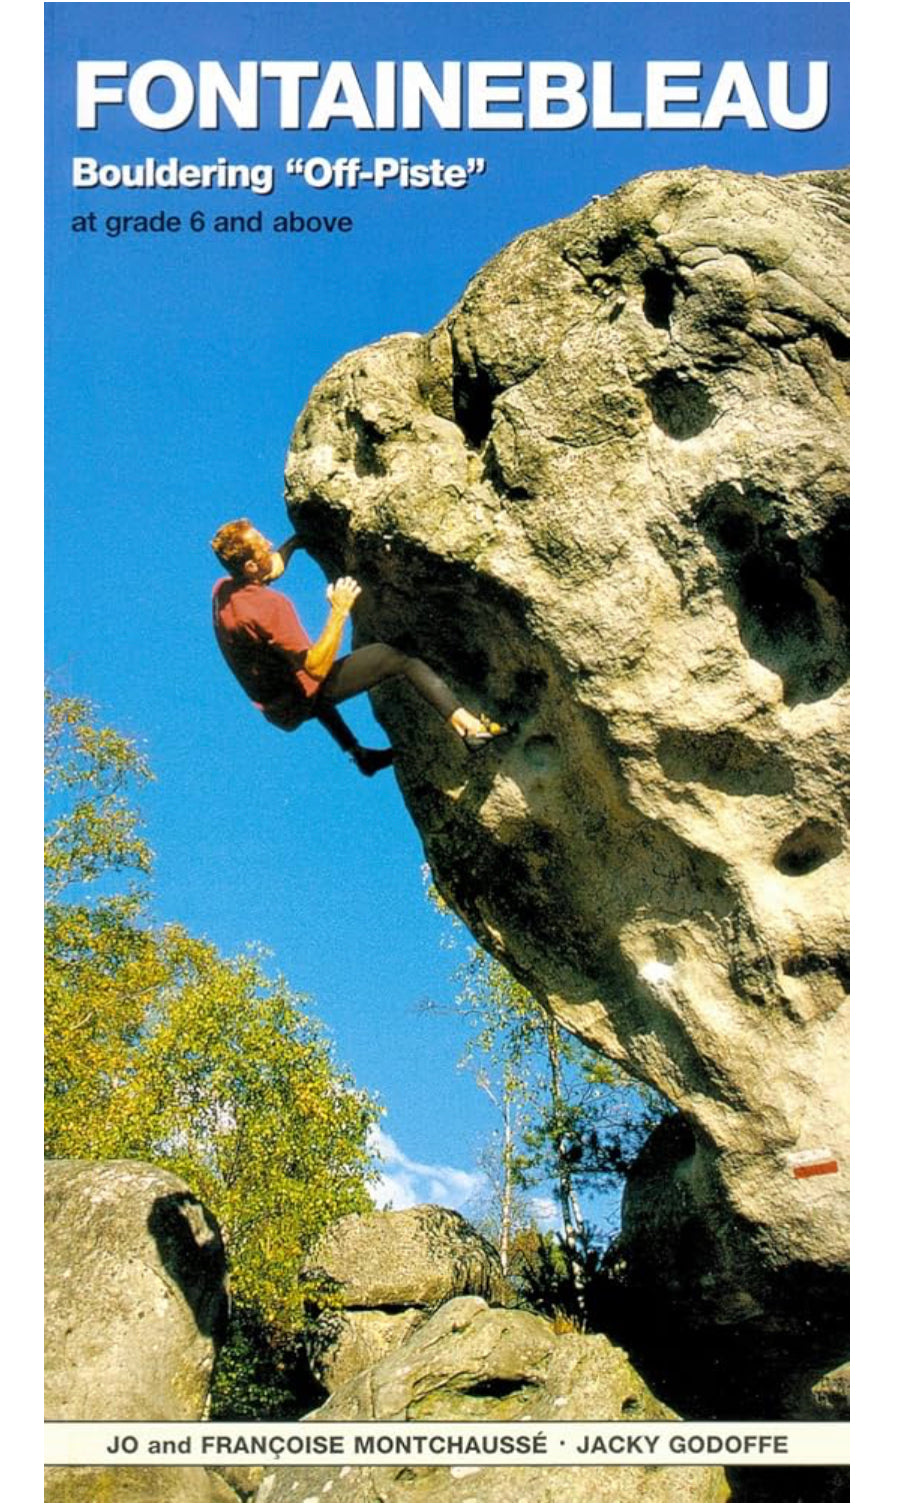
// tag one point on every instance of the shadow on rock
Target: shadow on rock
(192, 1255)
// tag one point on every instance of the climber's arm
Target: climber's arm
(320, 658)
(282, 556)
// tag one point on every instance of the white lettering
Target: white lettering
(214, 87)
(90, 94)
(605, 116)
(483, 94)
(445, 106)
(734, 77)
(556, 83)
(661, 93)
(386, 101)
(342, 80)
(142, 82)
(817, 105)
(291, 76)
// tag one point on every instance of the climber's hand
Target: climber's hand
(343, 594)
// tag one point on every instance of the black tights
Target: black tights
(365, 669)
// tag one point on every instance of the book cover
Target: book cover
(513, 338)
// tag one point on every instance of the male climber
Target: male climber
(292, 679)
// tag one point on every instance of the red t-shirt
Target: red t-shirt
(261, 638)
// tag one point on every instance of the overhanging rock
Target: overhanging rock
(607, 497)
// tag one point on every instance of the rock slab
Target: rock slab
(346, 1343)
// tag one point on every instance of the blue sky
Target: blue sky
(176, 367)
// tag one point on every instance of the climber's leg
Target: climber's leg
(370, 665)
(367, 667)
(367, 761)
(341, 733)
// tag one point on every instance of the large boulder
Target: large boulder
(342, 1344)
(708, 1353)
(607, 497)
(387, 1268)
(135, 1306)
(416, 1257)
(474, 1363)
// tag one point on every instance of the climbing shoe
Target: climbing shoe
(482, 738)
(370, 762)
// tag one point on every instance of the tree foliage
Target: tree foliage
(569, 1118)
(159, 1048)
(91, 827)
(260, 1376)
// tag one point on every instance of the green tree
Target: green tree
(91, 826)
(504, 1209)
(228, 1083)
(159, 1048)
(103, 967)
(568, 1117)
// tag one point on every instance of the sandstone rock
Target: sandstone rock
(243, 1480)
(670, 1295)
(473, 1363)
(152, 1485)
(413, 1258)
(607, 497)
(827, 1399)
(353, 1341)
(831, 1395)
(135, 1296)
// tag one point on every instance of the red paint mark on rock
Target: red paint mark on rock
(805, 1163)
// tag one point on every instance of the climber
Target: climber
(290, 678)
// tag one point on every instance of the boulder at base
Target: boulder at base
(484, 1367)
(345, 1343)
(135, 1309)
(417, 1257)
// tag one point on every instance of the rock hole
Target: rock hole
(473, 405)
(769, 578)
(812, 962)
(735, 530)
(610, 248)
(680, 405)
(659, 296)
(810, 846)
(838, 343)
(367, 437)
(630, 1407)
(828, 556)
(772, 585)
(497, 1386)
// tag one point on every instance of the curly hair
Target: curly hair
(231, 546)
